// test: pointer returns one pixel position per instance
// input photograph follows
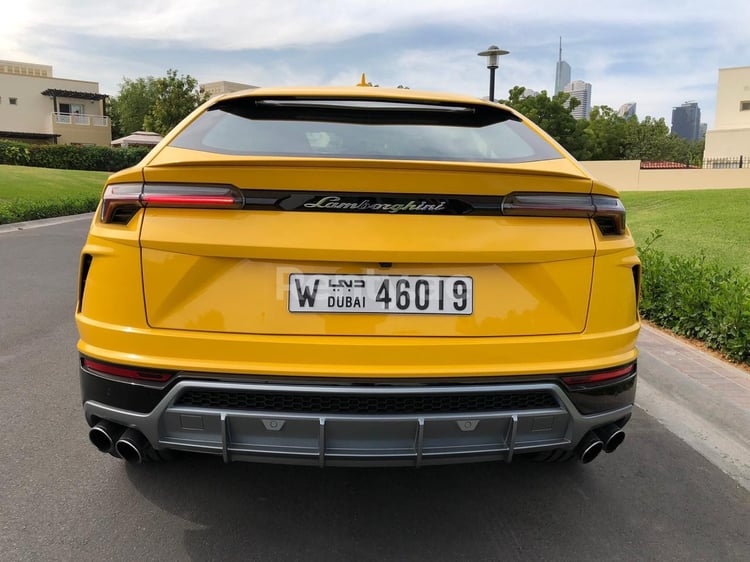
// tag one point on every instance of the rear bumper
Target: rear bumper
(388, 423)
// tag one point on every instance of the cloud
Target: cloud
(657, 54)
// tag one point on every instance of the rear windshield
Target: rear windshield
(370, 129)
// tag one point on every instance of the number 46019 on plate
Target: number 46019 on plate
(381, 294)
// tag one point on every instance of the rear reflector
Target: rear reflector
(127, 372)
(607, 212)
(121, 201)
(600, 377)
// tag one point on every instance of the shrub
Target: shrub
(14, 153)
(696, 298)
(99, 158)
(69, 157)
(20, 210)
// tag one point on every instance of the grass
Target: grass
(715, 223)
(44, 184)
(37, 193)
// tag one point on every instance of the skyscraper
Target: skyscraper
(627, 110)
(582, 92)
(562, 72)
(686, 121)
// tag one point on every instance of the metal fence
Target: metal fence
(708, 163)
(666, 165)
(733, 162)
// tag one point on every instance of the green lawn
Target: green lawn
(43, 184)
(39, 193)
(715, 222)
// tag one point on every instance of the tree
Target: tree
(604, 134)
(131, 105)
(648, 140)
(175, 98)
(551, 114)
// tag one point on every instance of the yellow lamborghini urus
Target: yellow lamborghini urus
(357, 276)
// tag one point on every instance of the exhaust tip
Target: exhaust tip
(104, 435)
(612, 436)
(589, 448)
(131, 446)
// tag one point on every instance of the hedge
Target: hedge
(696, 298)
(20, 211)
(69, 157)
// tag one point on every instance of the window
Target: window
(13, 101)
(71, 108)
(343, 128)
(745, 106)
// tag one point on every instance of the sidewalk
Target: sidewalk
(724, 379)
(39, 223)
(703, 400)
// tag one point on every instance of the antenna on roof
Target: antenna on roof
(560, 49)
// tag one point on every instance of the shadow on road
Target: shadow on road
(486, 511)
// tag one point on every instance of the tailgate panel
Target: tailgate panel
(523, 283)
(229, 270)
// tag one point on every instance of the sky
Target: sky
(657, 53)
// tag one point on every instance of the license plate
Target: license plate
(381, 294)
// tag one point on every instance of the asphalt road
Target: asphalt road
(656, 498)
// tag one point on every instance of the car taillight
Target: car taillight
(599, 377)
(127, 372)
(121, 201)
(607, 212)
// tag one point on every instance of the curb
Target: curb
(28, 225)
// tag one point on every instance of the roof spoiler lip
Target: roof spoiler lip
(366, 109)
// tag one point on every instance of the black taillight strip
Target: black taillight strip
(372, 202)
(607, 211)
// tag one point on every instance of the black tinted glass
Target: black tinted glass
(371, 129)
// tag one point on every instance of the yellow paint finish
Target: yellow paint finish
(246, 296)
(551, 295)
(356, 356)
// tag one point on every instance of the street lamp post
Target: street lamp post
(493, 53)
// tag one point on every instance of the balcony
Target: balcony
(82, 128)
(85, 120)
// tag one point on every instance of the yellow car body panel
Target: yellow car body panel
(209, 292)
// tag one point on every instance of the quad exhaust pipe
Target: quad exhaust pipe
(112, 438)
(612, 437)
(589, 448)
(606, 439)
(132, 446)
(104, 435)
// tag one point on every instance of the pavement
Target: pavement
(700, 398)
(40, 223)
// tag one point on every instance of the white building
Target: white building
(224, 87)
(582, 92)
(37, 107)
(730, 137)
(627, 110)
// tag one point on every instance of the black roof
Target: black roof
(74, 94)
